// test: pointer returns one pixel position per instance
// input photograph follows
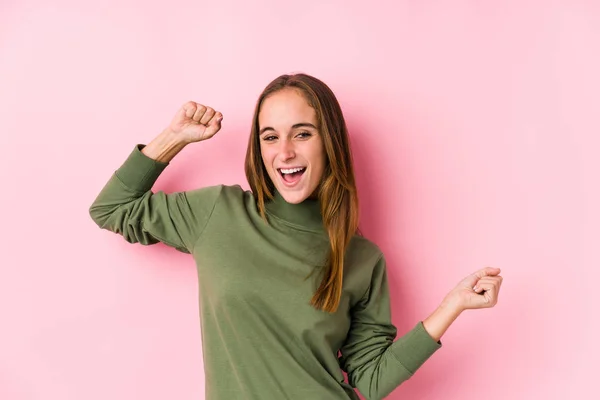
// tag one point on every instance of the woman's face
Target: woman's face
(291, 146)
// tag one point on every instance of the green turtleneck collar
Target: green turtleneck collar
(305, 215)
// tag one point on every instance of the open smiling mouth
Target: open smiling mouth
(291, 175)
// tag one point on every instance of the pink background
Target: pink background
(475, 129)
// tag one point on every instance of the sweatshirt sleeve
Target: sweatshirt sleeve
(374, 362)
(127, 206)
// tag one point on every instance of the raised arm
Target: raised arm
(193, 123)
(127, 206)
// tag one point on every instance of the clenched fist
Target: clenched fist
(478, 290)
(195, 122)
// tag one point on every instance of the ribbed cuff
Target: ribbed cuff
(414, 348)
(139, 172)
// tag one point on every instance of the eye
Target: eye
(304, 135)
(269, 138)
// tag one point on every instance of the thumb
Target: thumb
(186, 111)
(472, 279)
(487, 271)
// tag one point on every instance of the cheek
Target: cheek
(319, 164)
(323, 159)
(267, 158)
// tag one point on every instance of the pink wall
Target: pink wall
(475, 127)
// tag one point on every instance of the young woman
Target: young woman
(285, 280)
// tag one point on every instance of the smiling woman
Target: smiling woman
(298, 123)
(286, 281)
(292, 152)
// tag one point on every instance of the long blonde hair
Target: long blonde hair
(337, 191)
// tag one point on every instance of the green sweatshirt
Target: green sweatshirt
(262, 340)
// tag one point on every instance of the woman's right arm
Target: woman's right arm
(127, 206)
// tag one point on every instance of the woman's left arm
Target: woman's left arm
(478, 290)
(375, 360)
(376, 363)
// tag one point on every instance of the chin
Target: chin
(293, 197)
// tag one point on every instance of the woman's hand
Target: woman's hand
(478, 290)
(192, 123)
(195, 122)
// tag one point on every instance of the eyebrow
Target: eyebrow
(295, 126)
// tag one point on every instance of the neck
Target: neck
(306, 214)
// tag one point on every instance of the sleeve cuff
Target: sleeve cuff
(414, 348)
(139, 172)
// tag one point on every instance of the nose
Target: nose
(287, 151)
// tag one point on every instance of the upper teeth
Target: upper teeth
(291, 170)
